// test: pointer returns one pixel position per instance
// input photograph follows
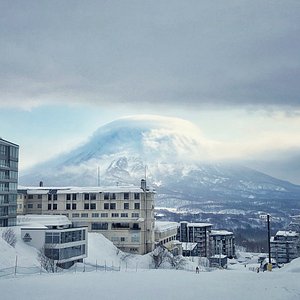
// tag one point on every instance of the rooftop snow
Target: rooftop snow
(287, 233)
(188, 246)
(198, 224)
(164, 226)
(71, 189)
(46, 220)
(221, 232)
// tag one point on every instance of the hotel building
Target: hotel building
(124, 215)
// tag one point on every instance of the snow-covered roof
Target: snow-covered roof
(287, 233)
(188, 246)
(199, 224)
(221, 232)
(43, 220)
(164, 226)
(219, 256)
(72, 189)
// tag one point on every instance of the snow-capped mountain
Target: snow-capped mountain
(170, 152)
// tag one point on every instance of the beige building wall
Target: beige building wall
(124, 215)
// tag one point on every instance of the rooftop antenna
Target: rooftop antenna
(98, 176)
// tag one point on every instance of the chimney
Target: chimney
(143, 184)
(41, 184)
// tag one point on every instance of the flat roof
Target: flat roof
(199, 224)
(221, 232)
(43, 220)
(73, 189)
(164, 226)
(287, 233)
(7, 142)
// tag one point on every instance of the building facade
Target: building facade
(222, 242)
(56, 237)
(124, 215)
(196, 233)
(9, 157)
(285, 246)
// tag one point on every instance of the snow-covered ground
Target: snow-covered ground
(137, 281)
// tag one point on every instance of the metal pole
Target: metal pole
(269, 237)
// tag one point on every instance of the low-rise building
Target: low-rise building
(285, 246)
(124, 215)
(218, 261)
(165, 234)
(222, 242)
(56, 237)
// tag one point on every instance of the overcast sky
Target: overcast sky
(231, 67)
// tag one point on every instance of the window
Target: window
(93, 206)
(86, 206)
(104, 215)
(75, 215)
(123, 239)
(126, 205)
(106, 205)
(119, 225)
(86, 196)
(40, 196)
(112, 196)
(84, 215)
(39, 205)
(95, 215)
(135, 215)
(68, 206)
(49, 206)
(136, 205)
(112, 205)
(73, 205)
(49, 197)
(135, 239)
(30, 205)
(93, 196)
(54, 206)
(74, 197)
(99, 226)
(126, 196)
(55, 197)
(136, 196)
(68, 196)
(124, 215)
(115, 215)
(106, 196)
(30, 196)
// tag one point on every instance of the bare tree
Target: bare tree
(48, 263)
(9, 237)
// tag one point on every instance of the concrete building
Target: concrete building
(124, 215)
(196, 233)
(165, 234)
(285, 246)
(222, 242)
(218, 261)
(56, 237)
(9, 157)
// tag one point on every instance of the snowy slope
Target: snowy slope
(238, 282)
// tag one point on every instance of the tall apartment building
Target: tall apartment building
(9, 157)
(196, 233)
(124, 215)
(222, 242)
(285, 246)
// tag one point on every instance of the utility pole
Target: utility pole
(269, 237)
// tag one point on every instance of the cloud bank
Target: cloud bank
(180, 53)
